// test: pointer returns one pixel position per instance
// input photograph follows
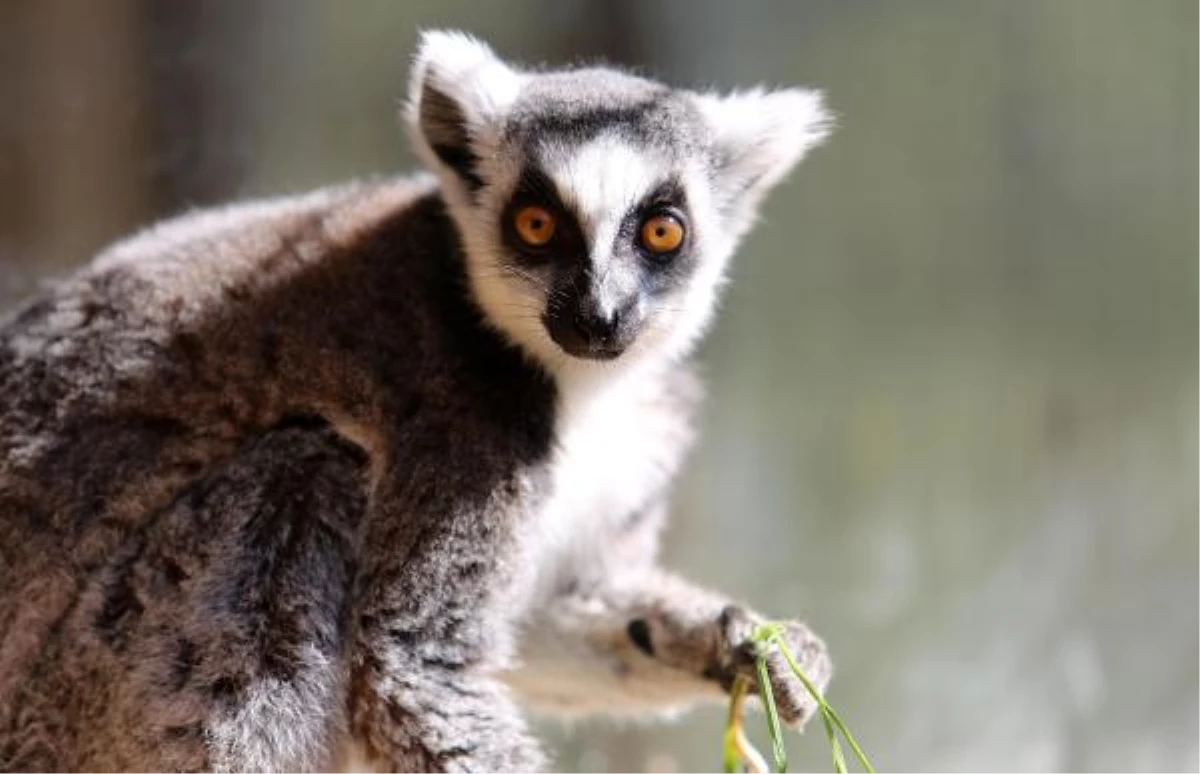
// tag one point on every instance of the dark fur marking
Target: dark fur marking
(567, 248)
(226, 689)
(636, 121)
(445, 128)
(102, 454)
(300, 421)
(120, 612)
(719, 675)
(177, 733)
(639, 633)
(187, 658)
(461, 750)
(462, 161)
(494, 375)
(173, 572)
(269, 350)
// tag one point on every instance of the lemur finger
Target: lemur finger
(796, 705)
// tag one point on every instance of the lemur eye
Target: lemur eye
(535, 225)
(662, 234)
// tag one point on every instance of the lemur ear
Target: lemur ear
(458, 92)
(758, 136)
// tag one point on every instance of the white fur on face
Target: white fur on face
(601, 181)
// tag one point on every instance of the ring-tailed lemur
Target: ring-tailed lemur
(338, 474)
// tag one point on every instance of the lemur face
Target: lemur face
(598, 210)
(598, 223)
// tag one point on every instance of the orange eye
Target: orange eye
(534, 225)
(662, 234)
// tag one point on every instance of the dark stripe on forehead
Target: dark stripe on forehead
(583, 125)
(662, 120)
(533, 181)
(670, 191)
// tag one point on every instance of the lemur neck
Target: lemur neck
(587, 387)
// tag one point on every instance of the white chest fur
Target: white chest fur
(618, 447)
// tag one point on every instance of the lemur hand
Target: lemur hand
(737, 654)
(720, 646)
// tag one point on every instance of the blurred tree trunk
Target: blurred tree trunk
(200, 81)
(128, 110)
(69, 165)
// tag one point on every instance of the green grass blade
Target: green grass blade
(771, 635)
(778, 749)
(835, 745)
(826, 709)
(854, 746)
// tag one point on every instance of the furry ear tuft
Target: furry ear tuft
(759, 135)
(458, 93)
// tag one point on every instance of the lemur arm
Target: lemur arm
(422, 698)
(625, 636)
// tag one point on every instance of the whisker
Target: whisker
(516, 271)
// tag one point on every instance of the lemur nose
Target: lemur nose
(595, 324)
(585, 327)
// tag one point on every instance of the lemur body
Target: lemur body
(337, 474)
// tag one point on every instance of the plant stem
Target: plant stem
(736, 747)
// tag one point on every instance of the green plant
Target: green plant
(737, 749)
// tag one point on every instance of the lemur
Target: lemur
(346, 478)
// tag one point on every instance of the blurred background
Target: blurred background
(953, 412)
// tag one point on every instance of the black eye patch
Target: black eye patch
(568, 242)
(658, 273)
(668, 194)
(668, 198)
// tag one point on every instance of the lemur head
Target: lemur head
(598, 209)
